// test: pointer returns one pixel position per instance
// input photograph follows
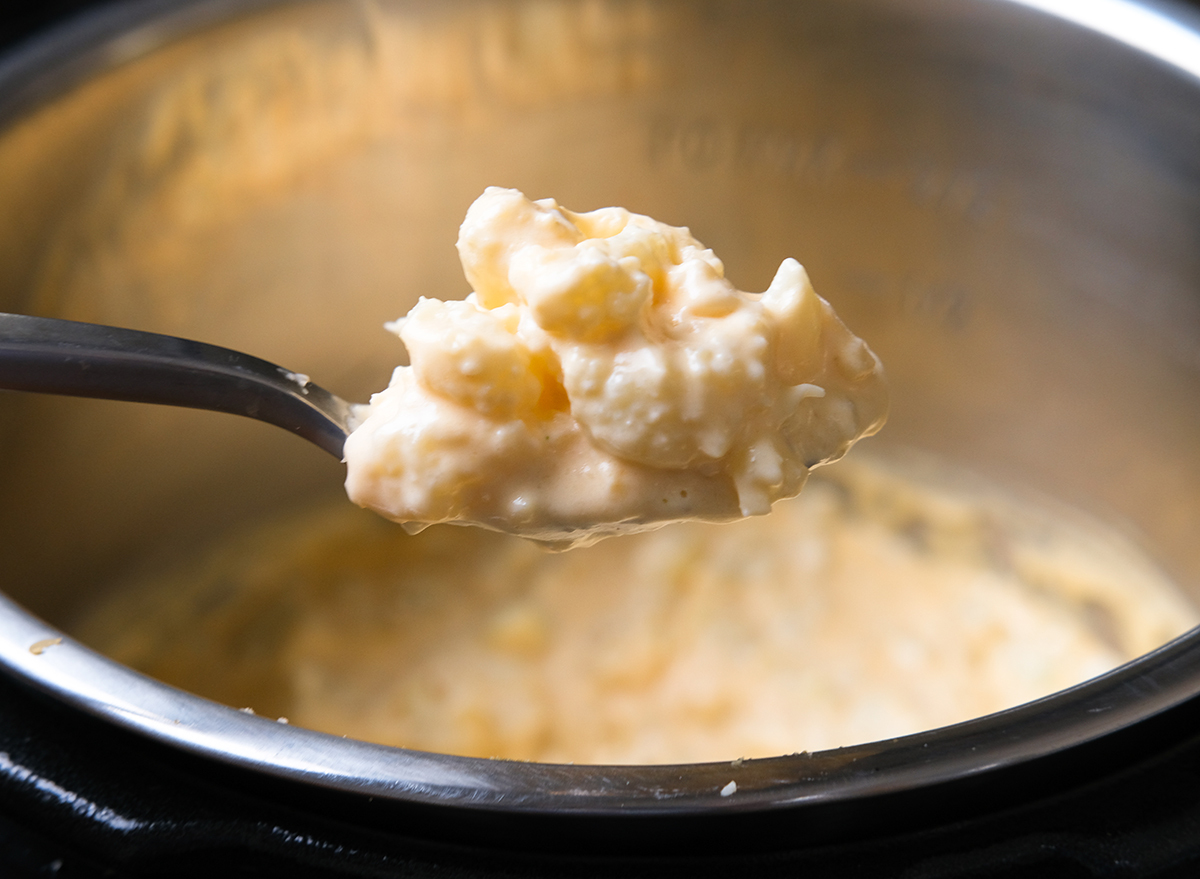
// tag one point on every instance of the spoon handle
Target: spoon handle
(52, 356)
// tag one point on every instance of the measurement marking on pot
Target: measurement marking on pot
(943, 302)
(699, 145)
(704, 145)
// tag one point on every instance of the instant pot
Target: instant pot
(1001, 196)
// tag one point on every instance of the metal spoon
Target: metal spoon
(52, 356)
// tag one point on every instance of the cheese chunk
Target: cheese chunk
(605, 377)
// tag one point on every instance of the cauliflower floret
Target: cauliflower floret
(471, 355)
(604, 376)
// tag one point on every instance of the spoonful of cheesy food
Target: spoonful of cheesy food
(604, 377)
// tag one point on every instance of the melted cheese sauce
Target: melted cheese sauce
(605, 377)
(880, 602)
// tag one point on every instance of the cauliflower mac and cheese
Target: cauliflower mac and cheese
(605, 377)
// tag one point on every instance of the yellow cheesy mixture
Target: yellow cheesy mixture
(605, 377)
(882, 601)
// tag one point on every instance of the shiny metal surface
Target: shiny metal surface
(846, 775)
(52, 356)
(1004, 202)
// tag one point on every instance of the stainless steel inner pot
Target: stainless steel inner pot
(1005, 202)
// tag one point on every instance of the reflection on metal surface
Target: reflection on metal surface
(1139, 25)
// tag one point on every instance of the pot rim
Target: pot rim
(38, 654)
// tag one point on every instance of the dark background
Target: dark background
(20, 18)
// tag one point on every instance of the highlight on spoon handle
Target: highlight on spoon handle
(52, 356)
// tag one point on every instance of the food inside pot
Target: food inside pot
(285, 185)
(886, 599)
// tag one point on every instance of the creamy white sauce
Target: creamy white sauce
(605, 377)
(882, 601)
